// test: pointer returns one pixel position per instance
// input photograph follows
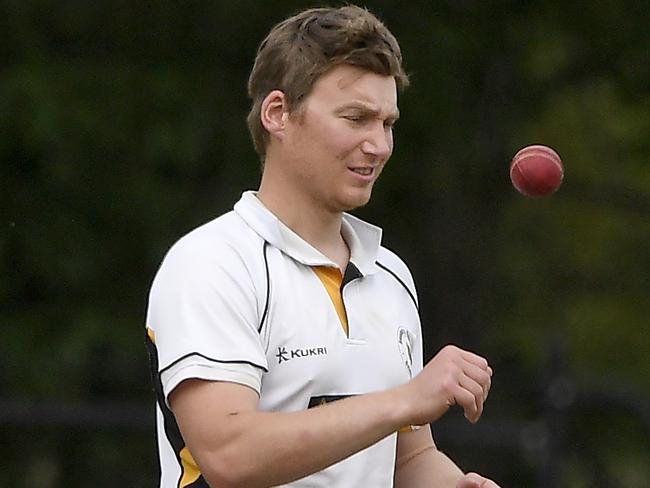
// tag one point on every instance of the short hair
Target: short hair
(302, 48)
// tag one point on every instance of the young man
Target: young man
(285, 341)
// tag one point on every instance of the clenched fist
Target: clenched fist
(453, 377)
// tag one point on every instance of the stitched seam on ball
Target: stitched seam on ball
(539, 152)
(557, 163)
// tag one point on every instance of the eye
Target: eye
(390, 124)
(354, 117)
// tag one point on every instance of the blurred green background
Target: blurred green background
(122, 126)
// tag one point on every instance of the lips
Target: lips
(364, 171)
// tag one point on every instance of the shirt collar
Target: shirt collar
(362, 238)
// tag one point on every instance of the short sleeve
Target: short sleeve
(203, 314)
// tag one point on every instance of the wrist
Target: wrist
(400, 405)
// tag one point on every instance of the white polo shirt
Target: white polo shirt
(238, 299)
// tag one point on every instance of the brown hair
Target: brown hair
(302, 48)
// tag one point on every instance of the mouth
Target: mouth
(364, 171)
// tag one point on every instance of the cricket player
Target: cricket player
(285, 340)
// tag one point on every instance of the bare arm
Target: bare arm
(235, 444)
(420, 464)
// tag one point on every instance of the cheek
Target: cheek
(348, 142)
(341, 146)
(332, 139)
(325, 138)
(390, 140)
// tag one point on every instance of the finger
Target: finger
(471, 394)
(470, 480)
(464, 483)
(473, 480)
(476, 480)
(479, 375)
(479, 361)
(482, 376)
(465, 400)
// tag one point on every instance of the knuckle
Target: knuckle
(449, 349)
(448, 385)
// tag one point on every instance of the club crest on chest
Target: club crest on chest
(405, 345)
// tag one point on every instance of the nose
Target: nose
(379, 142)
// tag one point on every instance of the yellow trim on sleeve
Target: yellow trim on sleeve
(332, 279)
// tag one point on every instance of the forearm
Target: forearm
(426, 467)
(271, 448)
(234, 444)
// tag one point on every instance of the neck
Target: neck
(316, 225)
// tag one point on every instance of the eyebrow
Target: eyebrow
(364, 107)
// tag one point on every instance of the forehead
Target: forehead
(348, 84)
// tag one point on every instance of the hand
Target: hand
(473, 480)
(452, 377)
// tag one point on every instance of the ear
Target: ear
(274, 112)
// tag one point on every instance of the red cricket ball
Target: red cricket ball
(536, 171)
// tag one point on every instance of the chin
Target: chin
(354, 201)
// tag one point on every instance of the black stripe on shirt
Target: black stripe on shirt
(268, 287)
(388, 270)
(222, 361)
(172, 432)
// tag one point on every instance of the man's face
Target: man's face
(338, 141)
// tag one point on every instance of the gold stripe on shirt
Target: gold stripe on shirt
(191, 471)
(332, 279)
